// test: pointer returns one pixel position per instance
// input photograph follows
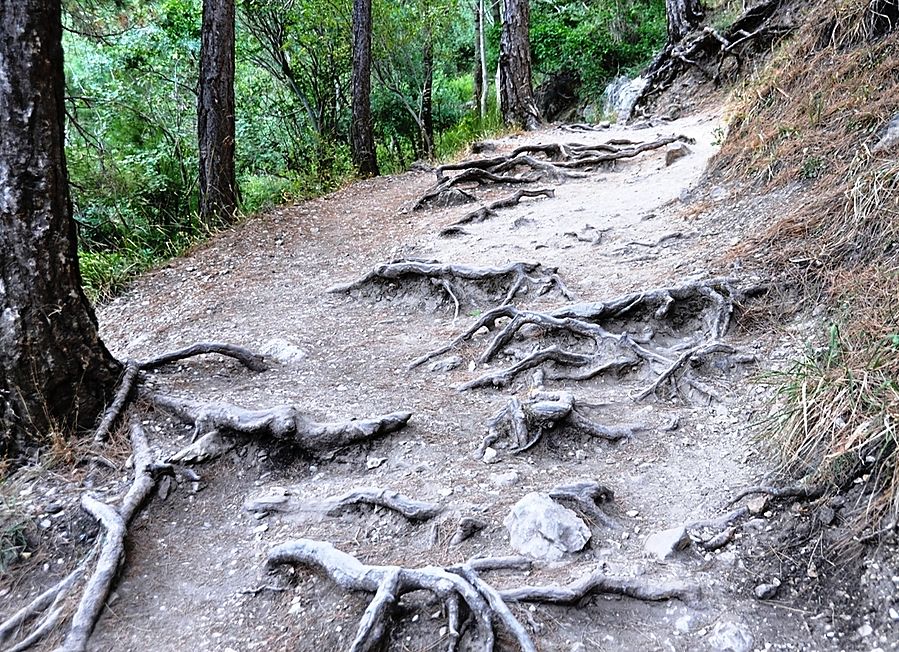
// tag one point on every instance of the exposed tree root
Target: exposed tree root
(561, 160)
(458, 588)
(469, 287)
(477, 174)
(707, 50)
(414, 510)
(488, 211)
(119, 401)
(525, 422)
(586, 496)
(111, 554)
(219, 427)
(598, 583)
(650, 327)
(800, 491)
(250, 360)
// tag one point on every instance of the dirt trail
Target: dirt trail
(193, 556)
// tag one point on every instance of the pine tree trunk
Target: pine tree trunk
(215, 114)
(362, 140)
(427, 108)
(480, 65)
(55, 373)
(516, 92)
(683, 17)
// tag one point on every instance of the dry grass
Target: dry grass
(812, 117)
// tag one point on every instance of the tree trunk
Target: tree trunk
(480, 61)
(55, 373)
(427, 108)
(215, 114)
(362, 140)
(516, 91)
(683, 17)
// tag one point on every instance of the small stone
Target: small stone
(894, 615)
(578, 647)
(632, 513)
(865, 630)
(259, 529)
(729, 636)
(757, 505)
(46, 523)
(506, 479)
(889, 138)
(767, 591)
(445, 365)
(445, 492)
(826, 515)
(274, 501)
(665, 544)
(674, 152)
(372, 462)
(490, 455)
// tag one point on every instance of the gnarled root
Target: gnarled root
(488, 211)
(457, 587)
(524, 422)
(618, 334)
(219, 427)
(466, 287)
(598, 583)
(586, 496)
(414, 510)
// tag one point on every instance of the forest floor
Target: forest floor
(196, 558)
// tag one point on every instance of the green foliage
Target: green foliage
(598, 40)
(132, 76)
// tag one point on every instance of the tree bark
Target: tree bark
(683, 17)
(427, 107)
(55, 372)
(362, 140)
(480, 64)
(516, 91)
(215, 114)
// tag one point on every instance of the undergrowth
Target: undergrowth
(812, 117)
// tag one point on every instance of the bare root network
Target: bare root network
(671, 330)
(486, 212)
(462, 590)
(414, 510)
(560, 162)
(465, 287)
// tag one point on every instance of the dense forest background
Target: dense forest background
(131, 71)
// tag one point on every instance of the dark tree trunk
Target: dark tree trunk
(516, 90)
(215, 114)
(55, 373)
(683, 17)
(480, 61)
(427, 108)
(362, 140)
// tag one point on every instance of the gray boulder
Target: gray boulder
(730, 636)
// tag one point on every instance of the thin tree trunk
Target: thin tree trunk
(683, 17)
(215, 114)
(55, 372)
(516, 93)
(480, 65)
(496, 12)
(427, 108)
(362, 140)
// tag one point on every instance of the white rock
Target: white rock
(372, 462)
(665, 544)
(490, 455)
(729, 636)
(541, 528)
(506, 479)
(283, 351)
(865, 630)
